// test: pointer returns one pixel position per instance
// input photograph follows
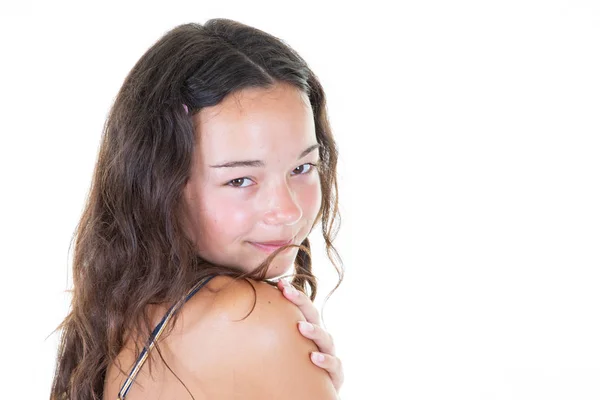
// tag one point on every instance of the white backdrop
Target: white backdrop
(469, 136)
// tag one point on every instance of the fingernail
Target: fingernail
(290, 291)
(306, 326)
(318, 357)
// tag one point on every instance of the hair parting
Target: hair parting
(130, 246)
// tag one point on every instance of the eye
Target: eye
(312, 166)
(237, 180)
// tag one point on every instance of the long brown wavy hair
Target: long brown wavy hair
(130, 247)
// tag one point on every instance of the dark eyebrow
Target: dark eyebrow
(259, 163)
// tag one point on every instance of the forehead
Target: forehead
(254, 120)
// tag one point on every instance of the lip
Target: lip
(270, 246)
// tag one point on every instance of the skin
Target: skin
(229, 208)
(317, 334)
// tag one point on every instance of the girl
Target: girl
(216, 162)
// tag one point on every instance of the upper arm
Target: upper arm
(263, 356)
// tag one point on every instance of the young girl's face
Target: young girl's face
(252, 180)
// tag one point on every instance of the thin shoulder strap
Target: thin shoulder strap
(154, 337)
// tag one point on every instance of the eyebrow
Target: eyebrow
(259, 163)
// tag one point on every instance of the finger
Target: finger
(332, 365)
(307, 307)
(321, 337)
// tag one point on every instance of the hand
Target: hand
(322, 338)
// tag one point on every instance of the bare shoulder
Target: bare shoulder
(234, 339)
(240, 339)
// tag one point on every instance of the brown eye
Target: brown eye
(312, 166)
(234, 182)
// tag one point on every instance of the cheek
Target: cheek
(311, 200)
(225, 219)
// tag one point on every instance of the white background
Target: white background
(469, 171)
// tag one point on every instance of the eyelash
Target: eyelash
(313, 167)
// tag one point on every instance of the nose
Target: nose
(282, 208)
